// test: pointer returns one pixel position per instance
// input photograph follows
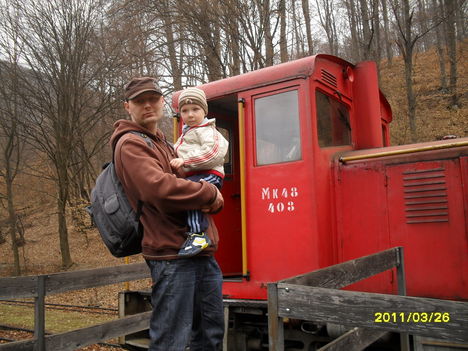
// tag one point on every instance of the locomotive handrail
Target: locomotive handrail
(344, 159)
(316, 297)
(48, 284)
(240, 106)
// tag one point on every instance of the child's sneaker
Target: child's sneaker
(194, 244)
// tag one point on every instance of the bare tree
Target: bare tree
(437, 10)
(169, 27)
(61, 91)
(326, 12)
(11, 147)
(423, 22)
(450, 10)
(306, 12)
(386, 32)
(231, 15)
(460, 18)
(265, 15)
(376, 45)
(12, 144)
(283, 40)
(203, 31)
(354, 30)
(407, 39)
(367, 33)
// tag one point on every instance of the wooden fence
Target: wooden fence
(38, 287)
(313, 296)
(316, 297)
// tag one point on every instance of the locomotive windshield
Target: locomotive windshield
(332, 121)
(277, 128)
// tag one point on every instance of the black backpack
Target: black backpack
(110, 210)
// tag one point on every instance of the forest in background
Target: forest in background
(63, 64)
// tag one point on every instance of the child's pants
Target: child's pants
(196, 220)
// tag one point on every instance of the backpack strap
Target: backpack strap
(139, 211)
(140, 203)
(145, 137)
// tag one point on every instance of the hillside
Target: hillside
(435, 118)
(41, 253)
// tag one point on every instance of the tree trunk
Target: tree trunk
(410, 94)
(388, 45)
(297, 41)
(423, 24)
(439, 45)
(283, 39)
(328, 23)
(62, 180)
(408, 58)
(460, 20)
(176, 71)
(452, 51)
(367, 33)
(269, 53)
(231, 16)
(306, 12)
(12, 221)
(376, 25)
(12, 150)
(355, 47)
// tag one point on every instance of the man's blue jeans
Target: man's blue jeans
(187, 305)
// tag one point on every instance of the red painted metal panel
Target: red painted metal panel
(361, 212)
(427, 218)
(417, 201)
(367, 106)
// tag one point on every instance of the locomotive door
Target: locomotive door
(228, 221)
(280, 220)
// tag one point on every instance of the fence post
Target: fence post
(404, 337)
(275, 322)
(39, 315)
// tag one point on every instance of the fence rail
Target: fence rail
(43, 285)
(316, 297)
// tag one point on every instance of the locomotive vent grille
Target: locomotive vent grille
(425, 194)
(329, 78)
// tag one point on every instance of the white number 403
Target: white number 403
(281, 207)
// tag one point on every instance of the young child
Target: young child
(200, 150)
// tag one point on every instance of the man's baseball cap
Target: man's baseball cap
(140, 85)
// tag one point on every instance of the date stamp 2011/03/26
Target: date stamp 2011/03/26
(411, 317)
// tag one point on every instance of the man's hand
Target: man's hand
(217, 205)
(176, 163)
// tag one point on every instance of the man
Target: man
(186, 292)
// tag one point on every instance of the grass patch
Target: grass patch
(57, 321)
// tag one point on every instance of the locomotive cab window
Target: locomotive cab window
(277, 128)
(333, 126)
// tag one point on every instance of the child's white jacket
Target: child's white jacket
(202, 148)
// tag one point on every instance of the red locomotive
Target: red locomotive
(311, 181)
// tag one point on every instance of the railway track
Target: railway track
(10, 333)
(64, 307)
